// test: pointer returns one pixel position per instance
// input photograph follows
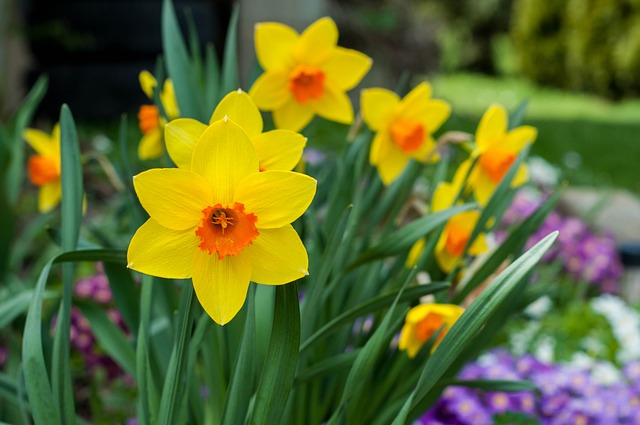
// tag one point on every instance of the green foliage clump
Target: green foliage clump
(586, 45)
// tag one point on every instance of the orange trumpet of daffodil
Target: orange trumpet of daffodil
(221, 222)
(424, 320)
(43, 168)
(457, 231)
(404, 127)
(149, 119)
(305, 74)
(276, 149)
(497, 149)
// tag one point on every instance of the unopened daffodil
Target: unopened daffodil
(423, 321)
(404, 127)
(305, 74)
(221, 222)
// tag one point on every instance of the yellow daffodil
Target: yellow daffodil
(497, 149)
(149, 119)
(404, 127)
(43, 168)
(305, 74)
(457, 231)
(221, 222)
(423, 321)
(276, 149)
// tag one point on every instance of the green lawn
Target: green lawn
(595, 142)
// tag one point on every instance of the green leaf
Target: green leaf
(517, 115)
(178, 64)
(212, 79)
(230, 79)
(370, 306)
(330, 365)
(243, 375)
(16, 305)
(126, 296)
(282, 359)
(146, 389)
(110, 337)
(406, 236)
(473, 319)
(495, 385)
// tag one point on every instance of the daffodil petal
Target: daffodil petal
(415, 252)
(377, 107)
(443, 197)
(162, 252)
(224, 155)
(518, 138)
(221, 285)
(147, 83)
(277, 198)
(169, 101)
(391, 162)
(521, 177)
(334, 105)
(492, 128)
(346, 67)
(49, 196)
(445, 260)
(414, 104)
(437, 112)
(428, 150)
(483, 186)
(173, 197)
(270, 91)
(274, 45)
(380, 140)
(278, 256)
(181, 136)
(479, 246)
(41, 142)
(150, 146)
(317, 42)
(292, 116)
(240, 109)
(279, 149)
(465, 220)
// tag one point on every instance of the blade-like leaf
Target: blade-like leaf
(230, 80)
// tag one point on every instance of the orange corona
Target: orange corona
(226, 230)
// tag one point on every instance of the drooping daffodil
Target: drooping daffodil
(276, 149)
(149, 119)
(43, 168)
(305, 74)
(497, 148)
(221, 222)
(423, 321)
(404, 127)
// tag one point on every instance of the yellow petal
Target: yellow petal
(479, 246)
(378, 146)
(334, 105)
(279, 149)
(147, 83)
(150, 146)
(521, 177)
(346, 67)
(443, 258)
(49, 196)
(221, 285)
(277, 198)
(415, 252)
(168, 100)
(270, 91)
(465, 220)
(518, 138)
(436, 113)
(377, 106)
(181, 136)
(443, 197)
(317, 42)
(224, 155)
(409, 340)
(390, 160)
(483, 186)
(292, 116)
(40, 141)
(239, 107)
(492, 128)
(427, 152)
(414, 104)
(173, 197)
(162, 252)
(278, 256)
(274, 45)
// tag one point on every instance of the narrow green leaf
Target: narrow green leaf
(145, 384)
(282, 359)
(495, 385)
(126, 296)
(8, 389)
(110, 337)
(178, 65)
(33, 363)
(230, 78)
(370, 306)
(15, 305)
(116, 256)
(406, 236)
(243, 375)
(212, 79)
(474, 318)
(330, 365)
(517, 115)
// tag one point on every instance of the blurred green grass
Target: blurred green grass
(594, 141)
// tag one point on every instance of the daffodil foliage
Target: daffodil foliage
(248, 273)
